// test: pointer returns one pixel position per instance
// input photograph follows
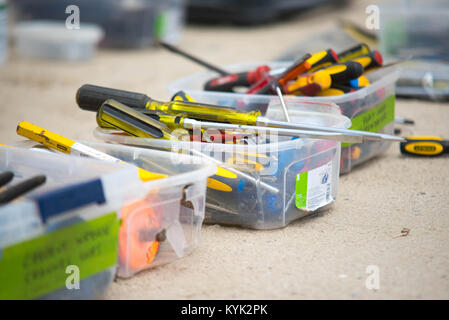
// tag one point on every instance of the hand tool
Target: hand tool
(309, 84)
(301, 66)
(335, 90)
(268, 83)
(91, 97)
(6, 177)
(241, 79)
(359, 82)
(68, 146)
(353, 52)
(424, 146)
(342, 73)
(284, 107)
(124, 119)
(189, 56)
(133, 122)
(372, 59)
(21, 188)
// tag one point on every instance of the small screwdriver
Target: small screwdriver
(62, 144)
(91, 97)
(424, 146)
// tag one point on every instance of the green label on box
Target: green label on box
(375, 119)
(36, 267)
(301, 190)
(161, 25)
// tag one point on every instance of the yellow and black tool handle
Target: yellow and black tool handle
(342, 73)
(353, 52)
(373, 59)
(322, 59)
(424, 146)
(90, 97)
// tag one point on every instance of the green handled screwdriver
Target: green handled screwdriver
(91, 97)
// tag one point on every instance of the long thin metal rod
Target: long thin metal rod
(364, 135)
(195, 59)
(284, 107)
(193, 124)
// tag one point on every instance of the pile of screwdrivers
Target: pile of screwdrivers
(321, 74)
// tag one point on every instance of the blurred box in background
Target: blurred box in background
(126, 23)
(248, 12)
(3, 31)
(418, 28)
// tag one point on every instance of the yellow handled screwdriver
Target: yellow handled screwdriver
(424, 146)
(59, 143)
(91, 97)
(118, 115)
(124, 118)
(309, 84)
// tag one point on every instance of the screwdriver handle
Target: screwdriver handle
(321, 59)
(373, 59)
(242, 79)
(6, 177)
(353, 52)
(21, 188)
(90, 97)
(342, 73)
(424, 146)
(309, 84)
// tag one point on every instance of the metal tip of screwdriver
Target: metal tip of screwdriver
(384, 137)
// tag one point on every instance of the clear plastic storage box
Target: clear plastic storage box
(126, 23)
(370, 108)
(52, 40)
(67, 227)
(160, 220)
(265, 185)
(415, 28)
(166, 224)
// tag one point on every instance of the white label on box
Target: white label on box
(313, 188)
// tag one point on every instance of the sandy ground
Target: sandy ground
(324, 256)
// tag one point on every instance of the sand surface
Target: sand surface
(323, 256)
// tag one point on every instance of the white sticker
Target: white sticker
(314, 188)
(83, 150)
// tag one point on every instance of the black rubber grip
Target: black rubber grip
(21, 188)
(90, 97)
(6, 177)
(342, 73)
(329, 57)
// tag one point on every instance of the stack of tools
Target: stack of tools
(321, 74)
(355, 79)
(267, 168)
